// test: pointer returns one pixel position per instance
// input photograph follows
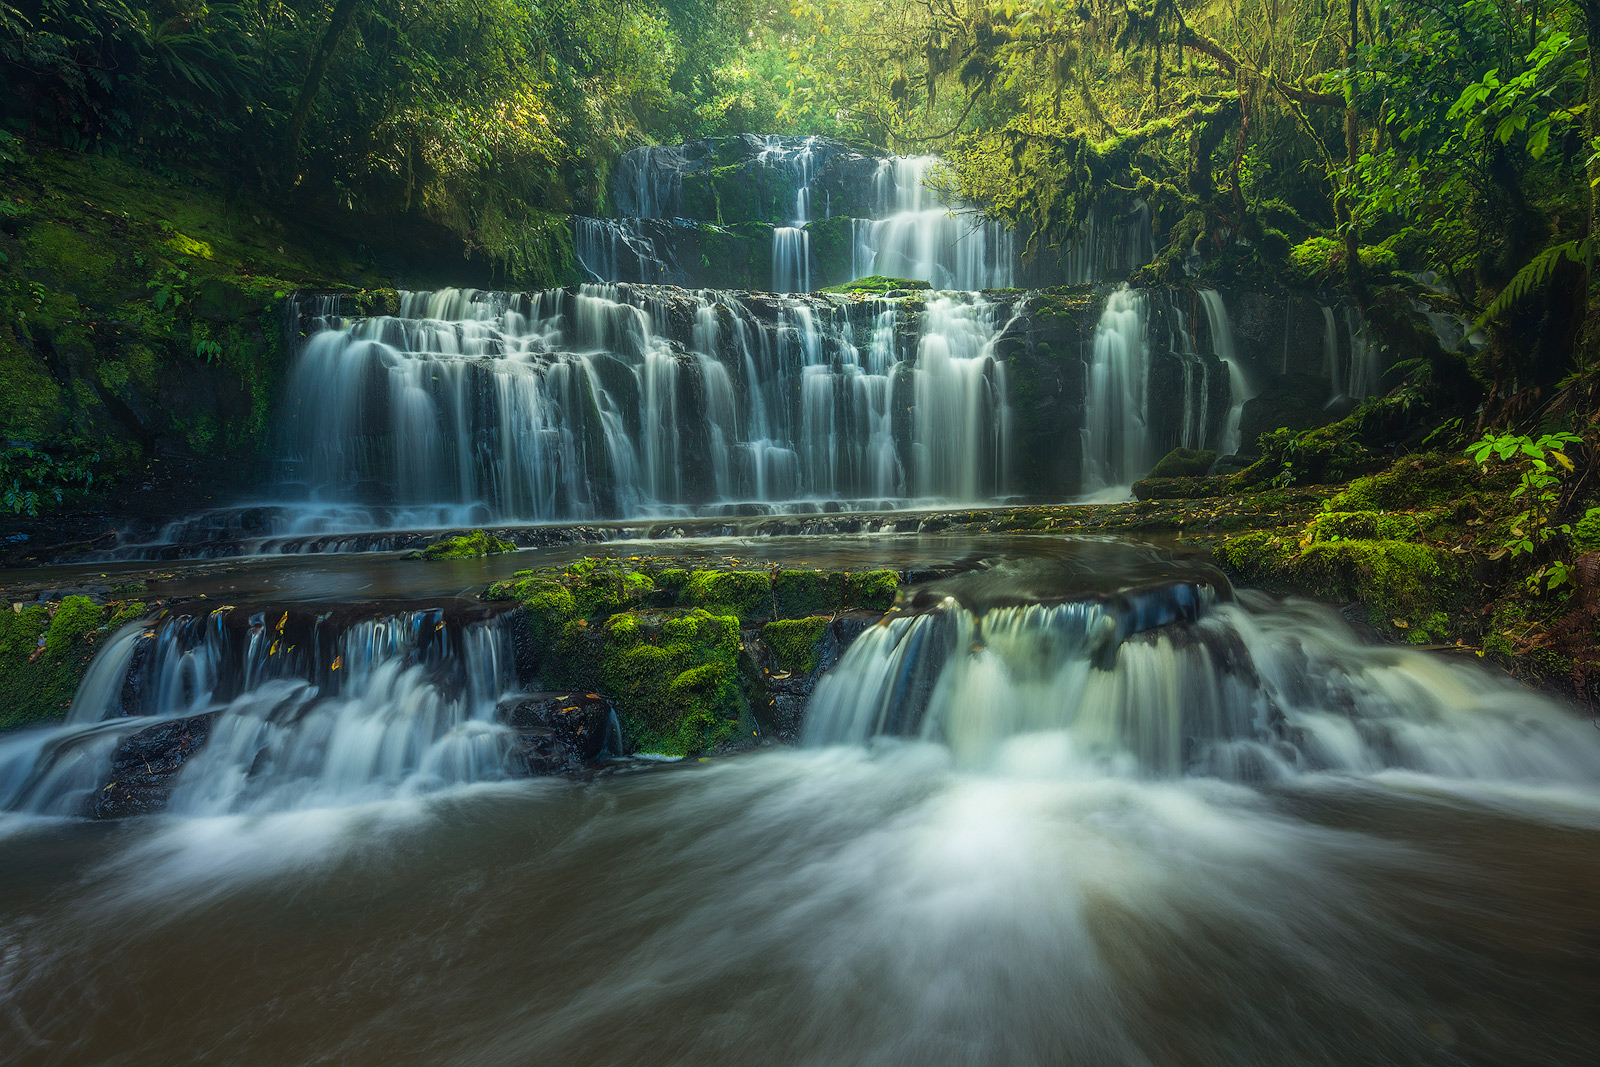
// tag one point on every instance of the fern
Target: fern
(1535, 274)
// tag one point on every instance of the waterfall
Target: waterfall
(791, 245)
(1116, 436)
(1364, 368)
(1109, 248)
(283, 708)
(624, 400)
(1240, 389)
(648, 182)
(603, 246)
(1330, 353)
(1175, 679)
(918, 236)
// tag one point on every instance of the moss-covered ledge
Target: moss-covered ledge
(690, 658)
(45, 648)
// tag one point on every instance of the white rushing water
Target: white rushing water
(298, 712)
(1116, 437)
(1239, 386)
(1252, 691)
(918, 235)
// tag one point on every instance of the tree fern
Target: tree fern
(1535, 274)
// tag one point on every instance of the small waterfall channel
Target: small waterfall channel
(1180, 675)
(271, 708)
(1151, 388)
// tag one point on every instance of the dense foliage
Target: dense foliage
(476, 114)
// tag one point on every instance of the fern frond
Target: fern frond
(1533, 275)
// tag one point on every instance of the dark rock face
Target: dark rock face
(1045, 348)
(556, 732)
(145, 766)
(1295, 401)
(743, 179)
(1279, 331)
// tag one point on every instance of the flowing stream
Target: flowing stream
(1088, 808)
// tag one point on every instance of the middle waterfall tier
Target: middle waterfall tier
(633, 400)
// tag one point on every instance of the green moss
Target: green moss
(796, 644)
(1184, 463)
(1586, 532)
(805, 592)
(1331, 526)
(872, 590)
(747, 594)
(43, 655)
(675, 682)
(1424, 481)
(473, 545)
(124, 613)
(877, 285)
(1394, 580)
(1317, 260)
(602, 587)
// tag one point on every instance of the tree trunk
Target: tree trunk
(344, 13)
(1589, 336)
(1352, 235)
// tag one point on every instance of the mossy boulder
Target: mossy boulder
(1428, 480)
(1586, 532)
(1333, 526)
(665, 641)
(675, 678)
(1184, 463)
(472, 545)
(44, 651)
(746, 594)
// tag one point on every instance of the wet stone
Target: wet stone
(145, 766)
(557, 732)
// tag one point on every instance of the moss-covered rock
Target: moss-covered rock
(1428, 480)
(1402, 584)
(44, 651)
(472, 545)
(1586, 532)
(746, 594)
(1184, 463)
(1333, 526)
(665, 642)
(796, 644)
(675, 678)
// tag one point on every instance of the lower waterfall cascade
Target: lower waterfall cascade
(1186, 679)
(287, 708)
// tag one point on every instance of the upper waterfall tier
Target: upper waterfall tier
(630, 400)
(789, 214)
